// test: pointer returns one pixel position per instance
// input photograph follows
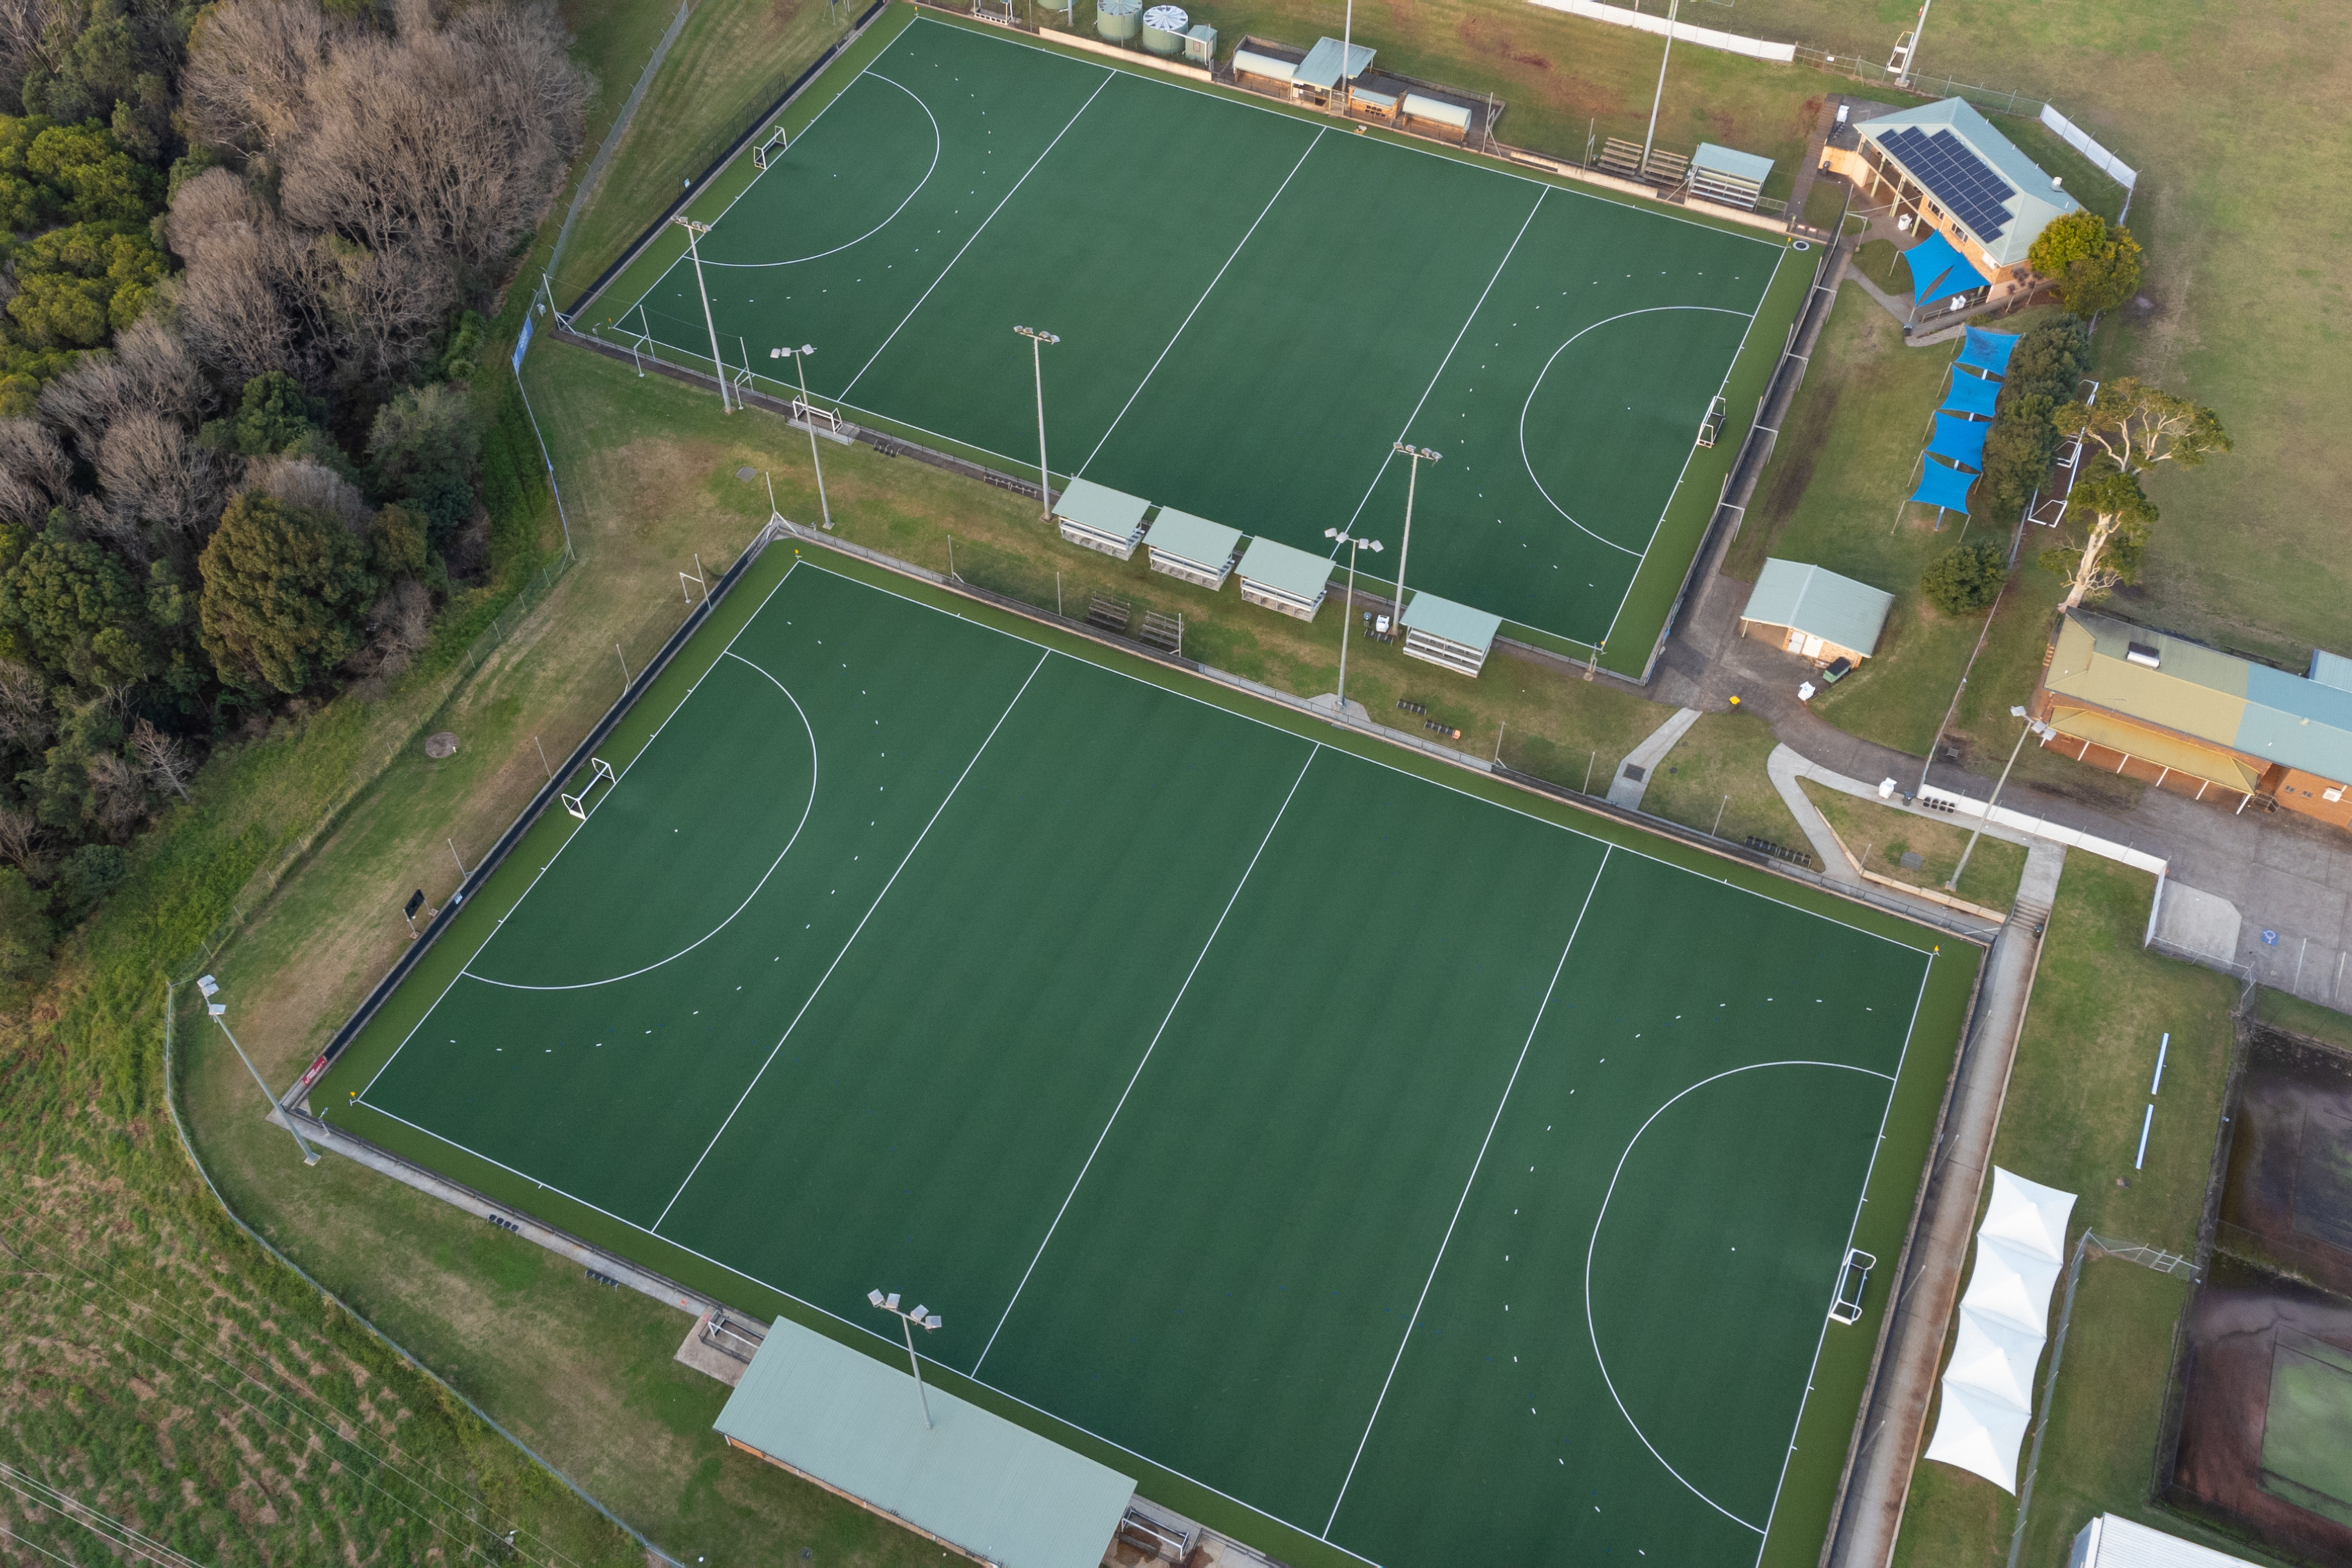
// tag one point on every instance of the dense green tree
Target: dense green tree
(2096, 264)
(273, 416)
(95, 180)
(70, 607)
(285, 591)
(25, 929)
(423, 443)
(1964, 578)
(2043, 370)
(88, 874)
(398, 542)
(2117, 518)
(76, 286)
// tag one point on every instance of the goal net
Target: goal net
(600, 775)
(773, 147)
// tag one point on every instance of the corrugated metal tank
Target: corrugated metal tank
(1118, 21)
(1163, 29)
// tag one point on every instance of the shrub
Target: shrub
(1964, 578)
(25, 929)
(286, 591)
(2095, 265)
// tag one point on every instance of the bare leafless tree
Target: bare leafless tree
(399, 626)
(249, 77)
(150, 371)
(305, 482)
(35, 472)
(24, 842)
(166, 759)
(23, 706)
(152, 471)
(118, 794)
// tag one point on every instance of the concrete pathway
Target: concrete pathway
(1633, 776)
(1785, 767)
(1928, 1282)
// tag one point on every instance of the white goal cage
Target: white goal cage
(600, 772)
(774, 144)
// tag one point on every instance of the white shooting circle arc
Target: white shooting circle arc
(722, 925)
(1529, 463)
(1599, 1219)
(886, 223)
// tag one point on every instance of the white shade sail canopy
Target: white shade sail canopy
(1988, 1388)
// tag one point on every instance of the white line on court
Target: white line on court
(1464, 1201)
(1789, 1453)
(1439, 373)
(1592, 1329)
(1312, 142)
(819, 986)
(807, 807)
(938, 142)
(1108, 77)
(617, 778)
(1527, 463)
(1314, 749)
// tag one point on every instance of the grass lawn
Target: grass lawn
(1830, 498)
(732, 59)
(1879, 837)
(1716, 773)
(2304, 1017)
(1883, 264)
(2072, 1119)
(2231, 113)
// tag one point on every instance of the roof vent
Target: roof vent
(2057, 183)
(2141, 653)
(1845, 110)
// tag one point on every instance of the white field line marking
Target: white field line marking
(1464, 1202)
(818, 988)
(938, 143)
(1527, 463)
(763, 174)
(1592, 1329)
(1565, 186)
(1109, 76)
(807, 808)
(1439, 373)
(1314, 749)
(1926, 972)
(569, 839)
(892, 1345)
(1312, 142)
(1763, 294)
(1382, 762)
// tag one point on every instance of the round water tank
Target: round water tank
(1115, 20)
(1163, 29)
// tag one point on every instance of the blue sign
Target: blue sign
(2270, 939)
(522, 343)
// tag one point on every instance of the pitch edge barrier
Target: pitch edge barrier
(291, 1100)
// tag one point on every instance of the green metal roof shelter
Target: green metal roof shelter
(1816, 612)
(1320, 69)
(1280, 578)
(971, 1481)
(1192, 548)
(1100, 518)
(1442, 632)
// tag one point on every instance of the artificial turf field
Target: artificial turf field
(1252, 308)
(1404, 1169)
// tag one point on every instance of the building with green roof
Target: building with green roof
(1439, 631)
(1812, 612)
(1100, 518)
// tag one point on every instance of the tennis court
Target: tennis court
(1401, 1167)
(1253, 308)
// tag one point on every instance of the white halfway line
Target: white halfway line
(814, 991)
(1198, 960)
(1464, 1200)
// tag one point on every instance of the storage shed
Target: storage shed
(1281, 578)
(1192, 548)
(1439, 631)
(1100, 518)
(2111, 1540)
(1815, 613)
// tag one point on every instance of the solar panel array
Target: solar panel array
(1955, 177)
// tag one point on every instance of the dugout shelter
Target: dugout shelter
(1727, 175)
(1441, 632)
(2112, 1541)
(1278, 577)
(967, 1479)
(1100, 518)
(1192, 548)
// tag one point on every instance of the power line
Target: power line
(142, 1548)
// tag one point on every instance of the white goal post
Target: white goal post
(599, 772)
(774, 144)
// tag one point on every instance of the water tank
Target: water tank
(1163, 29)
(1118, 20)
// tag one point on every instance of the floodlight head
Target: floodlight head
(891, 1302)
(776, 353)
(208, 985)
(918, 1313)
(1335, 533)
(216, 1009)
(932, 1321)
(2017, 713)
(875, 1296)
(808, 348)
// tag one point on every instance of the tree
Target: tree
(25, 929)
(66, 605)
(1964, 578)
(2136, 426)
(78, 285)
(424, 443)
(2095, 265)
(166, 760)
(272, 413)
(2121, 518)
(285, 591)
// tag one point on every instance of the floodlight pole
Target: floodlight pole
(1353, 542)
(1953, 885)
(1346, 83)
(906, 1322)
(219, 1011)
(694, 232)
(799, 357)
(1405, 550)
(1673, 6)
(1037, 341)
